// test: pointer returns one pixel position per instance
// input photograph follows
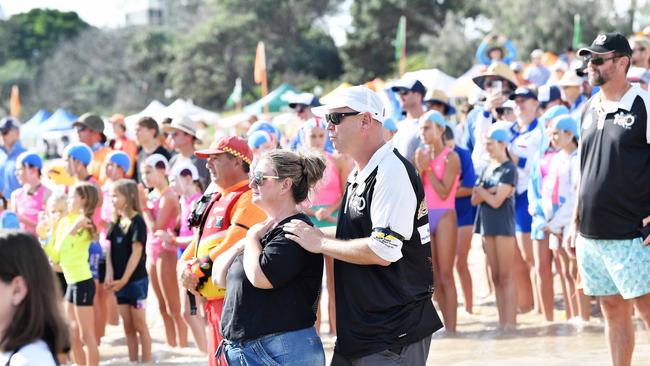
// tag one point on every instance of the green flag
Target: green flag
(577, 32)
(400, 38)
(235, 96)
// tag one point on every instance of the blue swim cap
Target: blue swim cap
(436, 117)
(119, 158)
(258, 138)
(79, 151)
(29, 158)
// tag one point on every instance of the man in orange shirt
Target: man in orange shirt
(222, 218)
(90, 130)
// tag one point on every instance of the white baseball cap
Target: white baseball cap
(359, 98)
(184, 166)
(156, 161)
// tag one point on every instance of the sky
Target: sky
(107, 13)
(100, 13)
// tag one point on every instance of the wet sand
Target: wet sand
(477, 343)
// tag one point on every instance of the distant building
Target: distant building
(174, 13)
(144, 12)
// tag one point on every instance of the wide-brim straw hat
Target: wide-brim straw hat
(499, 70)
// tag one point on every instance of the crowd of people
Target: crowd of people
(549, 168)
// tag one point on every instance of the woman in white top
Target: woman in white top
(32, 327)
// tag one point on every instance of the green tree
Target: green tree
(368, 52)
(34, 35)
(537, 25)
(209, 60)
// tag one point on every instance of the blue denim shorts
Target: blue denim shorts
(134, 293)
(299, 347)
(611, 267)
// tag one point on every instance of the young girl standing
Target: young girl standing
(558, 201)
(496, 223)
(126, 273)
(185, 181)
(56, 209)
(29, 200)
(439, 167)
(160, 212)
(68, 246)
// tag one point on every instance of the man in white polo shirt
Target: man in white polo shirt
(382, 269)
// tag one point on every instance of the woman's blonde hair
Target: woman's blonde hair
(129, 189)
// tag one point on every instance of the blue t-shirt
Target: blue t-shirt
(8, 180)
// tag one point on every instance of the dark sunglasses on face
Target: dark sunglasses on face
(403, 91)
(300, 108)
(81, 128)
(258, 177)
(336, 118)
(601, 60)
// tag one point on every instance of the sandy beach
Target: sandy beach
(478, 343)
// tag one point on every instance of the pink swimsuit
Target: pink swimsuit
(30, 205)
(328, 190)
(155, 244)
(438, 165)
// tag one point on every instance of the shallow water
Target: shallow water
(477, 343)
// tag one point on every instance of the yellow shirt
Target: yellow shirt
(243, 213)
(70, 251)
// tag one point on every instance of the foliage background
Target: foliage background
(58, 60)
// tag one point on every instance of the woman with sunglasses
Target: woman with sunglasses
(267, 268)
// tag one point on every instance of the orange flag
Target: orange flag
(260, 71)
(14, 102)
(260, 64)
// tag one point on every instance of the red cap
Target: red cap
(230, 144)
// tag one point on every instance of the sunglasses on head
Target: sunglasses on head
(601, 60)
(336, 118)
(258, 177)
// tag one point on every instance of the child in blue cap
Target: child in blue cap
(495, 222)
(28, 201)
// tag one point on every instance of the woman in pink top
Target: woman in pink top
(185, 182)
(161, 213)
(439, 167)
(29, 200)
(326, 200)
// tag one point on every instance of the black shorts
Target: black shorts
(101, 268)
(81, 293)
(62, 285)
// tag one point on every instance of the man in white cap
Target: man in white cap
(183, 138)
(383, 274)
(571, 86)
(612, 215)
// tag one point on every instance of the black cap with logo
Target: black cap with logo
(606, 43)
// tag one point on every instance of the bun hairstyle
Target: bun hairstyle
(304, 170)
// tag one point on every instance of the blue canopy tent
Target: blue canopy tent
(60, 120)
(30, 130)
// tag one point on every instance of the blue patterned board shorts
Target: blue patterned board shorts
(611, 267)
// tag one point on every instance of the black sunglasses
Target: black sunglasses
(258, 177)
(81, 128)
(403, 91)
(300, 108)
(336, 118)
(601, 60)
